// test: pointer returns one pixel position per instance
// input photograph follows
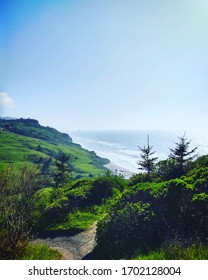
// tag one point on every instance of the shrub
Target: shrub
(138, 178)
(17, 185)
(134, 227)
(102, 188)
(148, 214)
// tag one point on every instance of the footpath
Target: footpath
(76, 247)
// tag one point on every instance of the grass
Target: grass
(81, 220)
(17, 148)
(196, 251)
(153, 255)
(78, 221)
(41, 252)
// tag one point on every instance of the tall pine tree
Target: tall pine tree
(147, 162)
(181, 154)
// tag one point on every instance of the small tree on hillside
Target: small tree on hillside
(181, 154)
(62, 172)
(147, 162)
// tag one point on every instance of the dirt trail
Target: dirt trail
(72, 247)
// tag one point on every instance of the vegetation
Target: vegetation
(62, 172)
(17, 186)
(177, 251)
(23, 141)
(181, 155)
(147, 162)
(40, 252)
(48, 188)
(32, 128)
(151, 216)
(76, 206)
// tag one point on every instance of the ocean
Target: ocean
(121, 147)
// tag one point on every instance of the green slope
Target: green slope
(20, 148)
(32, 128)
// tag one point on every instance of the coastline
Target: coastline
(116, 169)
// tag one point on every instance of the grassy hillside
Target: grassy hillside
(27, 141)
(32, 128)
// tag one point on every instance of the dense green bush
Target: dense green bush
(138, 178)
(149, 214)
(102, 188)
(131, 224)
(123, 230)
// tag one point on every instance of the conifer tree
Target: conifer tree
(147, 162)
(181, 154)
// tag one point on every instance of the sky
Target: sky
(105, 65)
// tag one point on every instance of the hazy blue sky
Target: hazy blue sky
(112, 64)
